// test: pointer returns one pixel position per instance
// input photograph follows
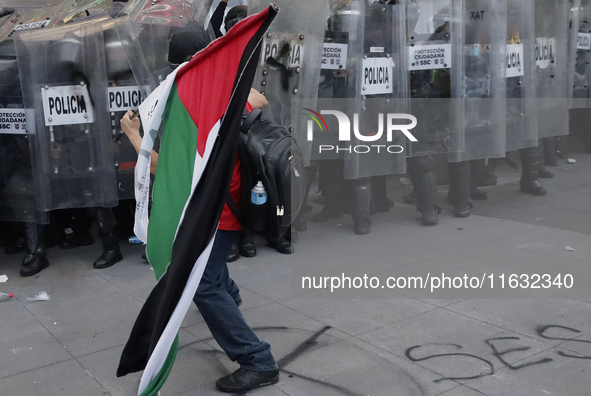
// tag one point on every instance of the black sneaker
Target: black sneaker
(243, 380)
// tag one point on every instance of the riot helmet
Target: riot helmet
(184, 45)
(234, 16)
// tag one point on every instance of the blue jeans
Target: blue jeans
(215, 298)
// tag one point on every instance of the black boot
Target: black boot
(361, 204)
(310, 174)
(81, 225)
(281, 244)
(529, 183)
(31, 242)
(476, 169)
(111, 253)
(36, 259)
(108, 258)
(331, 173)
(488, 176)
(380, 202)
(299, 223)
(425, 187)
(247, 247)
(459, 180)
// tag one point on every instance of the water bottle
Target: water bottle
(5, 296)
(258, 194)
(257, 214)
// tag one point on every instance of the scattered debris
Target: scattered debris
(41, 296)
(3, 278)
(405, 182)
(569, 249)
(571, 161)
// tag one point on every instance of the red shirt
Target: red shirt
(229, 221)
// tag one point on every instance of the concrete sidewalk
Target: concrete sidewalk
(389, 342)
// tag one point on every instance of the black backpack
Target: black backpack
(268, 153)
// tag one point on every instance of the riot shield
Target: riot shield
(521, 113)
(552, 67)
(123, 93)
(16, 181)
(376, 90)
(63, 78)
(434, 29)
(481, 58)
(289, 66)
(333, 81)
(36, 18)
(146, 34)
(17, 188)
(80, 10)
(580, 54)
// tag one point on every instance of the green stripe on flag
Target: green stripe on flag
(172, 186)
(157, 383)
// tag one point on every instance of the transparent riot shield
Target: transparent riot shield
(17, 187)
(552, 67)
(521, 113)
(16, 179)
(377, 92)
(434, 29)
(63, 80)
(481, 60)
(580, 53)
(146, 34)
(37, 18)
(123, 94)
(79, 10)
(333, 81)
(289, 66)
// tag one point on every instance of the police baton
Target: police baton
(133, 116)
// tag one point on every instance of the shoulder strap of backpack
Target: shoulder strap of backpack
(235, 209)
(254, 115)
(244, 161)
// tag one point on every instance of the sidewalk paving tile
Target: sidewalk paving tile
(60, 379)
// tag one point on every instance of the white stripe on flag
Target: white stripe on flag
(151, 111)
(158, 357)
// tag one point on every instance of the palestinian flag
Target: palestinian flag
(201, 104)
